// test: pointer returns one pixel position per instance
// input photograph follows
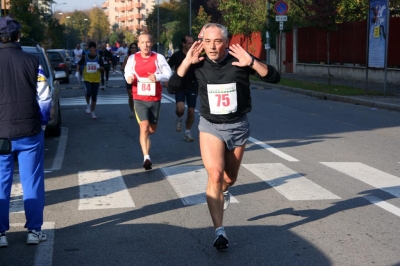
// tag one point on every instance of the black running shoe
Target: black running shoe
(147, 164)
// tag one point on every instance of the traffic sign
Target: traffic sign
(281, 8)
(281, 18)
(280, 25)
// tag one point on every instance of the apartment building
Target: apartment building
(129, 14)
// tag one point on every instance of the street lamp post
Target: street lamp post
(66, 29)
(52, 9)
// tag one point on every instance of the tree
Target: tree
(243, 16)
(99, 26)
(201, 19)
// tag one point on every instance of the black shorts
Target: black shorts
(147, 111)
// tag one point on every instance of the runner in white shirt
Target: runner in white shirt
(78, 52)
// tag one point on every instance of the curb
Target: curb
(331, 97)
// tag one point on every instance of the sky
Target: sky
(76, 5)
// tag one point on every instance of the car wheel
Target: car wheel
(66, 80)
(56, 131)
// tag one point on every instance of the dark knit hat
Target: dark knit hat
(92, 44)
(9, 27)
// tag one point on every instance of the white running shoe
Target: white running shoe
(94, 116)
(220, 240)
(178, 124)
(35, 237)
(188, 137)
(3, 240)
(88, 110)
(227, 198)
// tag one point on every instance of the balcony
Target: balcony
(137, 16)
(138, 27)
(104, 5)
(138, 5)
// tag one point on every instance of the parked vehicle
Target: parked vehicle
(59, 62)
(53, 77)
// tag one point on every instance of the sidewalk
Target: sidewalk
(390, 102)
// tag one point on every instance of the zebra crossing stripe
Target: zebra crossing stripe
(102, 100)
(290, 184)
(273, 150)
(103, 189)
(44, 251)
(369, 175)
(16, 201)
(383, 204)
(189, 182)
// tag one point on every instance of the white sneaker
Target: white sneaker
(94, 116)
(227, 198)
(88, 110)
(35, 237)
(3, 240)
(220, 240)
(188, 137)
(178, 124)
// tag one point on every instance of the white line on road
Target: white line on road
(16, 201)
(103, 189)
(101, 100)
(290, 184)
(273, 150)
(189, 183)
(368, 175)
(44, 251)
(383, 204)
(59, 156)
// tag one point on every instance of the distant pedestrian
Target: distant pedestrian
(92, 66)
(78, 53)
(189, 94)
(133, 48)
(107, 58)
(114, 60)
(146, 70)
(25, 105)
(122, 53)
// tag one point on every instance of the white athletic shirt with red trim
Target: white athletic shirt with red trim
(138, 66)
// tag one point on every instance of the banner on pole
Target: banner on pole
(377, 33)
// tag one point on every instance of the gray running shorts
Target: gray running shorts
(147, 111)
(234, 134)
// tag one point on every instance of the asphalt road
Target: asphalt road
(319, 185)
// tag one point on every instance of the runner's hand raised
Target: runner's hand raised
(244, 57)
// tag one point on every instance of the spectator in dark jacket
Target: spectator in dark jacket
(25, 104)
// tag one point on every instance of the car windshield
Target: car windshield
(56, 56)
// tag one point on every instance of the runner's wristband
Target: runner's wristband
(252, 62)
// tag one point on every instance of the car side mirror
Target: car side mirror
(5, 146)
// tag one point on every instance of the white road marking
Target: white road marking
(290, 184)
(189, 183)
(369, 175)
(44, 251)
(273, 150)
(383, 204)
(16, 201)
(59, 156)
(103, 189)
(101, 100)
